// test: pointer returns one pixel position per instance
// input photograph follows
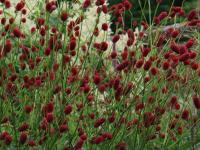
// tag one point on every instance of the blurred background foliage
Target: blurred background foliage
(135, 14)
(141, 7)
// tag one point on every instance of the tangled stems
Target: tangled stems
(73, 88)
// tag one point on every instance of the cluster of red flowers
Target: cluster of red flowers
(59, 92)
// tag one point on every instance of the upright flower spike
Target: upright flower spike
(105, 26)
(64, 16)
(115, 38)
(7, 46)
(7, 4)
(79, 144)
(47, 51)
(86, 3)
(17, 33)
(49, 117)
(68, 109)
(20, 5)
(173, 100)
(31, 143)
(127, 4)
(196, 101)
(23, 127)
(99, 122)
(72, 44)
(149, 119)
(192, 14)
(63, 128)
(99, 139)
(147, 65)
(185, 114)
(8, 139)
(23, 137)
(28, 108)
(153, 71)
(50, 6)
(121, 145)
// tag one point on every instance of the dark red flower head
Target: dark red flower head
(98, 139)
(86, 3)
(121, 145)
(185, 114)
(105, 26)
(64, 16)
(7, 3)
(17, 33)
(72, 44)
(149, 118)
(23, 137)
(127, 5)
(49, 117)
(63, 128)
(99, 121)
(68, 109)
(8, 139)
(103, 46)
(192, 14)
(196, 101)
(19, 6)
(50, 6)
(147, 65)
(31, 143)
(7, 46)
(23, 127)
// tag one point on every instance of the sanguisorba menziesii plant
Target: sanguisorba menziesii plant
(68, 82)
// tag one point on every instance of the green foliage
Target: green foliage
(140, 9)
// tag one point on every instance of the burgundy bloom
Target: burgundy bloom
(194, 65)
(7, 3)
(19, 6)
(79, 144)
(185, 114)
(192, 14)
(49, 117)
(103, 46)
(64, 16)
(63, 128)
(72, 44)
(7, 46)
(173, 100)
(23, 138)
(165, 65)
(23, 127)
(17, 33)
(127, 5)
(99, 122)
(47, 51)
(50, 6)
(139, 63)
(8, 139)
(31, 143)
(68, 109)
(196, 101)
(149, 118)
(147, 64)
(98, 139)
(153, 71)
(121, 145)
(28, 108)
(86, 3)
(105, 26)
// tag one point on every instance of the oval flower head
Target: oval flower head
(24, 7)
